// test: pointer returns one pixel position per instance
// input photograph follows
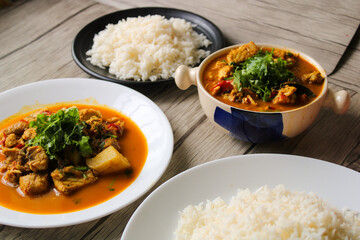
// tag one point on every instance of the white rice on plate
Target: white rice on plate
(147, 48)
(267, 214)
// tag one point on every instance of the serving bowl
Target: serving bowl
(260, 127)
(141, 110)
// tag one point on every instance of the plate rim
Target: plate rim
(244, 157)
(76, 55)
(167, 155)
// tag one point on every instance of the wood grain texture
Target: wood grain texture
(324, 29)
(33, 20)
(52, 50)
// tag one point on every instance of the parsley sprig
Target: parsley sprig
(262, 74)
(59, 130)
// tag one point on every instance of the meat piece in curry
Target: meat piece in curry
(49, 149)
(285, 95)
(242, 53)
(262, 79)
(70, 178)
(313, 77)
(34, 183)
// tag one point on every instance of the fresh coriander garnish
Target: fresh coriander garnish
(81, 168)
(111, 185)
(262, 74)
(59, 130)
(77, 201)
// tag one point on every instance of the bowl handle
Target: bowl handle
(338, 101)
(185, 77)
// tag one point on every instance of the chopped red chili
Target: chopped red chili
(113, 125)
(273, 94)
(225, 86)
(46, 112)
(19, 146)
(3, 141)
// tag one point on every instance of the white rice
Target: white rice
(147, 48)
(267, 214)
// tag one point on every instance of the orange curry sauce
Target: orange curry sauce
(300, 67)
(134, 147)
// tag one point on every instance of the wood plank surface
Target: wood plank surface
(322, 29)
(36, 38)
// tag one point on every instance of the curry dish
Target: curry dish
(262, 79)
(66, 158)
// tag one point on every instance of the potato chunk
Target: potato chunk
(107, 161)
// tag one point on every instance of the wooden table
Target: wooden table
(36, 37)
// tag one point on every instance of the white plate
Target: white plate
(148, 116)
(157, 216)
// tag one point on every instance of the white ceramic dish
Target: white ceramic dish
(156, 218)
(148, 116)
(260, 127)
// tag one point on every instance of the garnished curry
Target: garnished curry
(66, 158)
(262, 79)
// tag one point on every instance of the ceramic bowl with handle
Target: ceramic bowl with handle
(260, 127)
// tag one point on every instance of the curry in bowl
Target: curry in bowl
(261, 93)
(262, 79)
(66, 158)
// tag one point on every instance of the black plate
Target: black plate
(84, 39)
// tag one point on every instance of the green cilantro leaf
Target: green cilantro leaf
(59, 130)
(261, 74)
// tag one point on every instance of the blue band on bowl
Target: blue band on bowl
(251, 126)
